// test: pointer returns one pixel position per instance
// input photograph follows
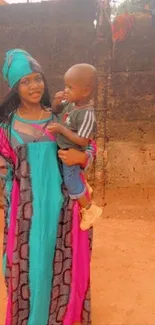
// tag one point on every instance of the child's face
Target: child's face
(74, 91)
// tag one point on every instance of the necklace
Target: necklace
(40, 116)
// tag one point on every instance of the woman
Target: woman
(46, 255)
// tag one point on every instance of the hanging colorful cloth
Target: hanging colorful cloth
(121, 27)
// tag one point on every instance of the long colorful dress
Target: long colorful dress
(46, 255)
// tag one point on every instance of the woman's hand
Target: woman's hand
(73, 157)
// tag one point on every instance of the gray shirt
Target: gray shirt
(79, 120)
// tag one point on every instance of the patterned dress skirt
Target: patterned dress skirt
(46, 255)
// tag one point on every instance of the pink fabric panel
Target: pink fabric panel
(80, 270)
(51, 137)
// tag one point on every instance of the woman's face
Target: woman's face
(31, 88)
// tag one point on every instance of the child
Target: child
(75, 127)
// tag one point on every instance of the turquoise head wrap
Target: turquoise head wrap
(18, 64)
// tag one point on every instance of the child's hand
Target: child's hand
(55, 128)
(59, 96)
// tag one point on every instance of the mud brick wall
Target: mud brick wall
(103, 58)
(130, 122)
(58, 33)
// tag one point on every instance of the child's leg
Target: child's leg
(74, 184)
(89, 188)
(77, 190)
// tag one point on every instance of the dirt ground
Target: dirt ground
(123, 268)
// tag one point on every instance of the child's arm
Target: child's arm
(72, 136)
(57, 106)
(85, 125)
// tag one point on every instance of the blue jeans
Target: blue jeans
(73, 182)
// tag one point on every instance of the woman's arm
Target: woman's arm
(7, 154)
(3, 167)
(75, 157)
